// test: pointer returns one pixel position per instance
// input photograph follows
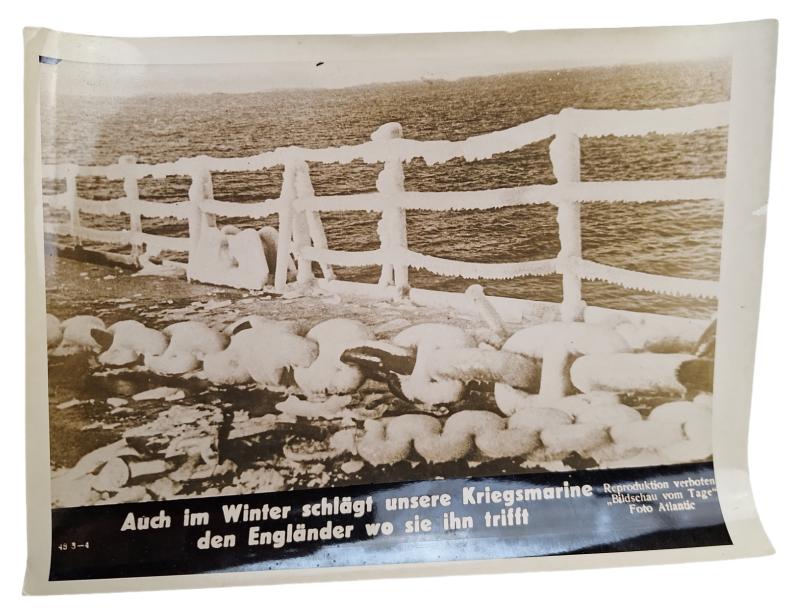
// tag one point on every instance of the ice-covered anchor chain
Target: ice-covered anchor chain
(565, 156)
(392, 226)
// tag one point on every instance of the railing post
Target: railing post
(312, 220)
(71, 193)
(565, 155)
(392, 226)
(200, 190)
(285, 214)
(300, 233)
(131, 186)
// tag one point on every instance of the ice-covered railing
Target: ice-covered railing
(301, 233)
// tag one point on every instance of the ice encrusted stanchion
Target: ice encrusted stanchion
(285, 225)
(201, 190)
(301, 235)
(130, 185)
(71, 195)
(392, 226)
(565, 155)
(307, 226)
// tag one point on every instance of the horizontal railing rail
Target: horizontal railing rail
(301, 232)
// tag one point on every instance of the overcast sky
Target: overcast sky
(126, 67)
(127, 80)
(153, 79)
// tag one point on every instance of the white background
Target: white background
(769, 582)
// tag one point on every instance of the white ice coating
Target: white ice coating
(392, 225)
(306, 226)
(130, 185)
(131, 340)
(482, 364)
(642, 281)
(54, 331)
(236, 260)
(301, 238)
(682, 120)
(658, 335)
(480, 270)
(189, 343)
(555, 343)
(313, 222)
(212, 257)
(433, 200)
(256, 210)
(328, 375)
(423, 385)
(438, 265)
(76, 335)
(610, 433)
(285, 225)
(486, 311)
(649, 191)
(629, 372)
(154, 242)
(539, 429)
(126, 206)
(261, 354)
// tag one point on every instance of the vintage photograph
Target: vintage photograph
(268, 277)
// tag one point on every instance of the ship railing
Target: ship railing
(300, 230)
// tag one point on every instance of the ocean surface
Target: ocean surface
(675, 238)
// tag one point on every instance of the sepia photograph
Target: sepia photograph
(270, 277)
